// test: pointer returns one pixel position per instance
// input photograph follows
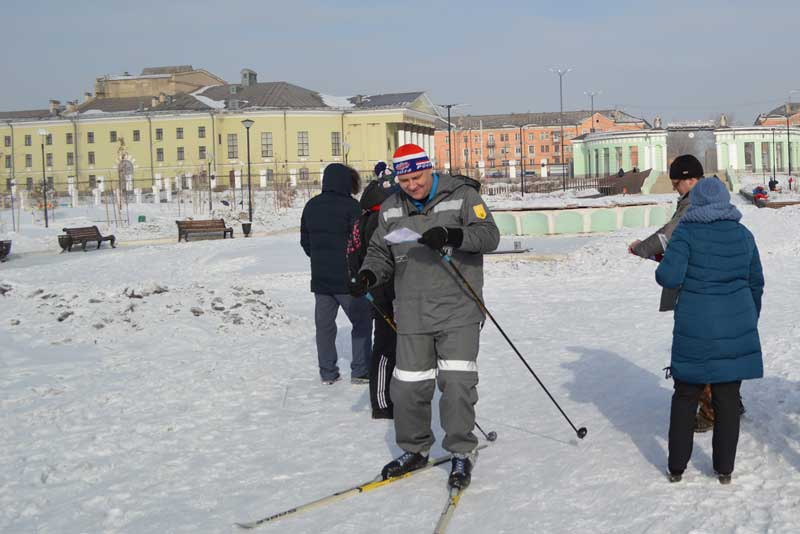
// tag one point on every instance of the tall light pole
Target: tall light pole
(449, 128)
(591, 95)
(774, 155)
(209, 186)
(43, 136)
(247, 124)
(561, 73)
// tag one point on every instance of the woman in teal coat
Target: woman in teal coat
(714, 261)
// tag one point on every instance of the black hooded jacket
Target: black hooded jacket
(324, 227)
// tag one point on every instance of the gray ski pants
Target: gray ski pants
(448, 356)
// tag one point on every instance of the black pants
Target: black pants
(384, 356)
(725, 400)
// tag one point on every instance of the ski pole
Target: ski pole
(580, 432)
(386, 318)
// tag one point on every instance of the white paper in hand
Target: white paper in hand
(402, 235)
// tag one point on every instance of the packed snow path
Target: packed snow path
(174, 388)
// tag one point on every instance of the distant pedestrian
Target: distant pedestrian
(715, 338)
(325, 224)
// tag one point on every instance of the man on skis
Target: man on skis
(438, 322)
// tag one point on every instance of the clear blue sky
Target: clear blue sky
(681, 59)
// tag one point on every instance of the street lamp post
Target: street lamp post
(561, 73)
(247, 124)
(43, 135)
(449, 128)
(774, 155)
(209, 187)
(591, 95)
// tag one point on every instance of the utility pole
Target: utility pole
(43, 135)
(561, 73)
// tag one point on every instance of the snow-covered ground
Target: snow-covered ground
(164, 387)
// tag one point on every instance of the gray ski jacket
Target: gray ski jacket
(657, 244)
(429, 297)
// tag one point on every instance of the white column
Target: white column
(719, 156)
(237, 179)
(432, 144)
(733, 156)
(101, 183)
(262, 177)
(401, 137)
(512, 168)
(415, 137)
(137, 193)
(97, 193)
(664, 156)
(293, 177)
(168, 189)
(647, 160)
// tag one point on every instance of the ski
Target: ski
(375, 483)
(449, 510)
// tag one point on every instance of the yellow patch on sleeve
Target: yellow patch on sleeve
(480, 211)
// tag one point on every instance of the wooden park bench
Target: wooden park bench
(85, 234)
(209, 226)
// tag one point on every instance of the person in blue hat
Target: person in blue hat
(713, 261)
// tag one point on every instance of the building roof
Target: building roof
(550, 118)
(167, 70)
(391, 100)
(26, 114)
(784, 110)
(116, 105)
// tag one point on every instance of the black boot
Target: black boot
(460, 472)
(406, 462)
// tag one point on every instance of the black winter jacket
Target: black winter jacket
(324, 227)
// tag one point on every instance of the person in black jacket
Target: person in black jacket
(324, 228)
(384, 346)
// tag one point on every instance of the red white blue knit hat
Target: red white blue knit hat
(410, 158)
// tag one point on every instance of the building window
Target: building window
(336, 143)
(504, 138)
(28, 161)
(266, 144)
(518, 150)
(28, 141)
(7, 140)
(159, 134)
(543, 135)
(466, 153)
(304, 174)
(8, 184)
(112, 136)
(49, 159)
(29, 183)
(180, 153)
(270, 175)
(178, 133)
(201, 152)
(159, 154)
(545, 148)
(137, 135)
(531, 137)
(233, 146)
(91, 158)
(556, 147)
(8, 162)
(70, 158)
(516, 137)
(50, 183)
(90, 137)
(92, 181)
(48, 139)
(531, 149)
(201, 132)
(69, 138)
(302, 144)
(466, 139)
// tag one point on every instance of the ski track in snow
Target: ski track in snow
(179, 393)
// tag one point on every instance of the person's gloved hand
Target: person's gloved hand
(359, 285)
(439, 236)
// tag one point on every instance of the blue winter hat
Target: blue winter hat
(710, 201)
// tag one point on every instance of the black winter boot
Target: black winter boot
(405, 463)
(460, 472)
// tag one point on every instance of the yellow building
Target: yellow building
(141, 141)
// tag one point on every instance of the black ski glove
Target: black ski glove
(439, 236)
(359, 285)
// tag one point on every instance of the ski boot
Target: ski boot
(460, 472)
(674, 477)
(405, 463)
(724, 479)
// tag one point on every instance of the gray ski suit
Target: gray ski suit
(438, 322)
